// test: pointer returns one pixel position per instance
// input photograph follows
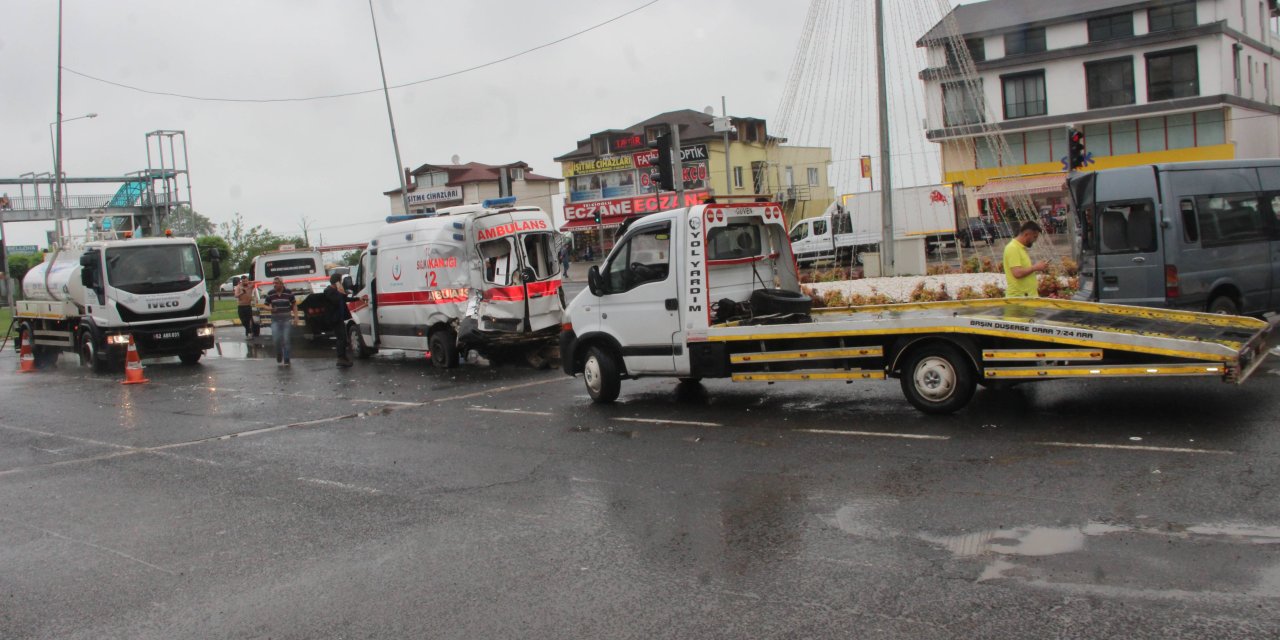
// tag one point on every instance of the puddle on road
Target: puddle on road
(1048, 541)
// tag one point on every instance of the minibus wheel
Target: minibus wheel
(444, 349)
(1224, 305)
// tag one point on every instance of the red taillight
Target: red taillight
(1171, 288)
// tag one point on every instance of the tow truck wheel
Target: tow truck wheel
(444, 349)
(356, 344)
(600, 372)
(937, 378)
(87, 348)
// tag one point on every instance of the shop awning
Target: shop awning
(1022, 185)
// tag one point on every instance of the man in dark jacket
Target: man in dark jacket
(337, 300)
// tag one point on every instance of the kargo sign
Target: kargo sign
(615, 210)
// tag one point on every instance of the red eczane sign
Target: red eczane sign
(615, 210)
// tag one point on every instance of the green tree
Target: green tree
(21, 263)
(246, 243)
(351, 258)
(185, 221)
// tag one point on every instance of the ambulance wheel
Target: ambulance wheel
(191, 357)
(356, 345)
(444, 349)
(937, 378)
(600, 372)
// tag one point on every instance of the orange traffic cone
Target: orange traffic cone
(26, 359)
(133, 366)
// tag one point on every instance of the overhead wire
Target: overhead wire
(347, 94)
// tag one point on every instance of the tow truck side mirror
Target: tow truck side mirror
(595, 282)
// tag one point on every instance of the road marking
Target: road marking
(689, 423)
(341, 485)
(476, 394)
(394, 402)
(874, 434)
(515, 411)
(55, 534)
(1135, 447)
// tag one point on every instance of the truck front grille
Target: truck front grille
(128, 315)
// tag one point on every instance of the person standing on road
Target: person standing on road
(337, 299)
(564, 260)
(244, 306)
(1019, 271)
(284, 308)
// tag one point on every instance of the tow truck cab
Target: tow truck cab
(670, 276)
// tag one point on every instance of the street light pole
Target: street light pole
(404, 190)
(57, 151)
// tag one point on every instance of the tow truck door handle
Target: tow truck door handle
(672, 304)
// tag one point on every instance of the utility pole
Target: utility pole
(404, 190)
(886, 182)
(57, 153)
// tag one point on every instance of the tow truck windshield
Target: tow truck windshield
(147, 269)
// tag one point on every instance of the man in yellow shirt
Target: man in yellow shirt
(1019, 272)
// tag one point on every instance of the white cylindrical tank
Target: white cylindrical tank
(63, 279)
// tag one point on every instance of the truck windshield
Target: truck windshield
(144, 269)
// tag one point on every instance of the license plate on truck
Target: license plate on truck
(168, 335)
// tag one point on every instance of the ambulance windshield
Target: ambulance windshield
(501, 267)
(540, 254)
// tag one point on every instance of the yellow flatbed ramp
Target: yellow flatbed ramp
(1008, 338)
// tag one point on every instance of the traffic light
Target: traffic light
(596, 215)
(1076, 155)
(666, 172)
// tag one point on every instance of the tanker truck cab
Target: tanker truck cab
(712, 292)
(482, 277)
(92, 300)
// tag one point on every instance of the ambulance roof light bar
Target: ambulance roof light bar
(493, 203)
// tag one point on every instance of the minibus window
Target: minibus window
(1190, 228)
(1231, 219)
(1126, 228)
(819, 227)
(800, 232)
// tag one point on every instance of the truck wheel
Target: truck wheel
(356, 344)
(1224, 305)
(937, 378)
(444, 349)
(87, 348)
(600, 372)
(191, 357)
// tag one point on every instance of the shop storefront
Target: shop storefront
(592, 238)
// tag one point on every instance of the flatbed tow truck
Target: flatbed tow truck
(711, 291)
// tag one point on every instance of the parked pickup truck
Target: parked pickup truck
(711, 291)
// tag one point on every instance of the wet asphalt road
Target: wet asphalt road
(235, 499)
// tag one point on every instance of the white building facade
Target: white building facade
(1146, 82)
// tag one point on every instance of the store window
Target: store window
(1024, 95)
(1173, 16)
(1172, 74)
(1023, 42)
(1111, 27)
(962, 103)
(1109, 83)
(976, 48)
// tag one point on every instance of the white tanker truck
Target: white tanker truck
(91, 298)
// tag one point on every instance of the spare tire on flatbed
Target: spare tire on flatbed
(779, 301)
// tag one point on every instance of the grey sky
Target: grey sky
(330, 160)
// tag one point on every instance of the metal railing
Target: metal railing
(45, 203)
